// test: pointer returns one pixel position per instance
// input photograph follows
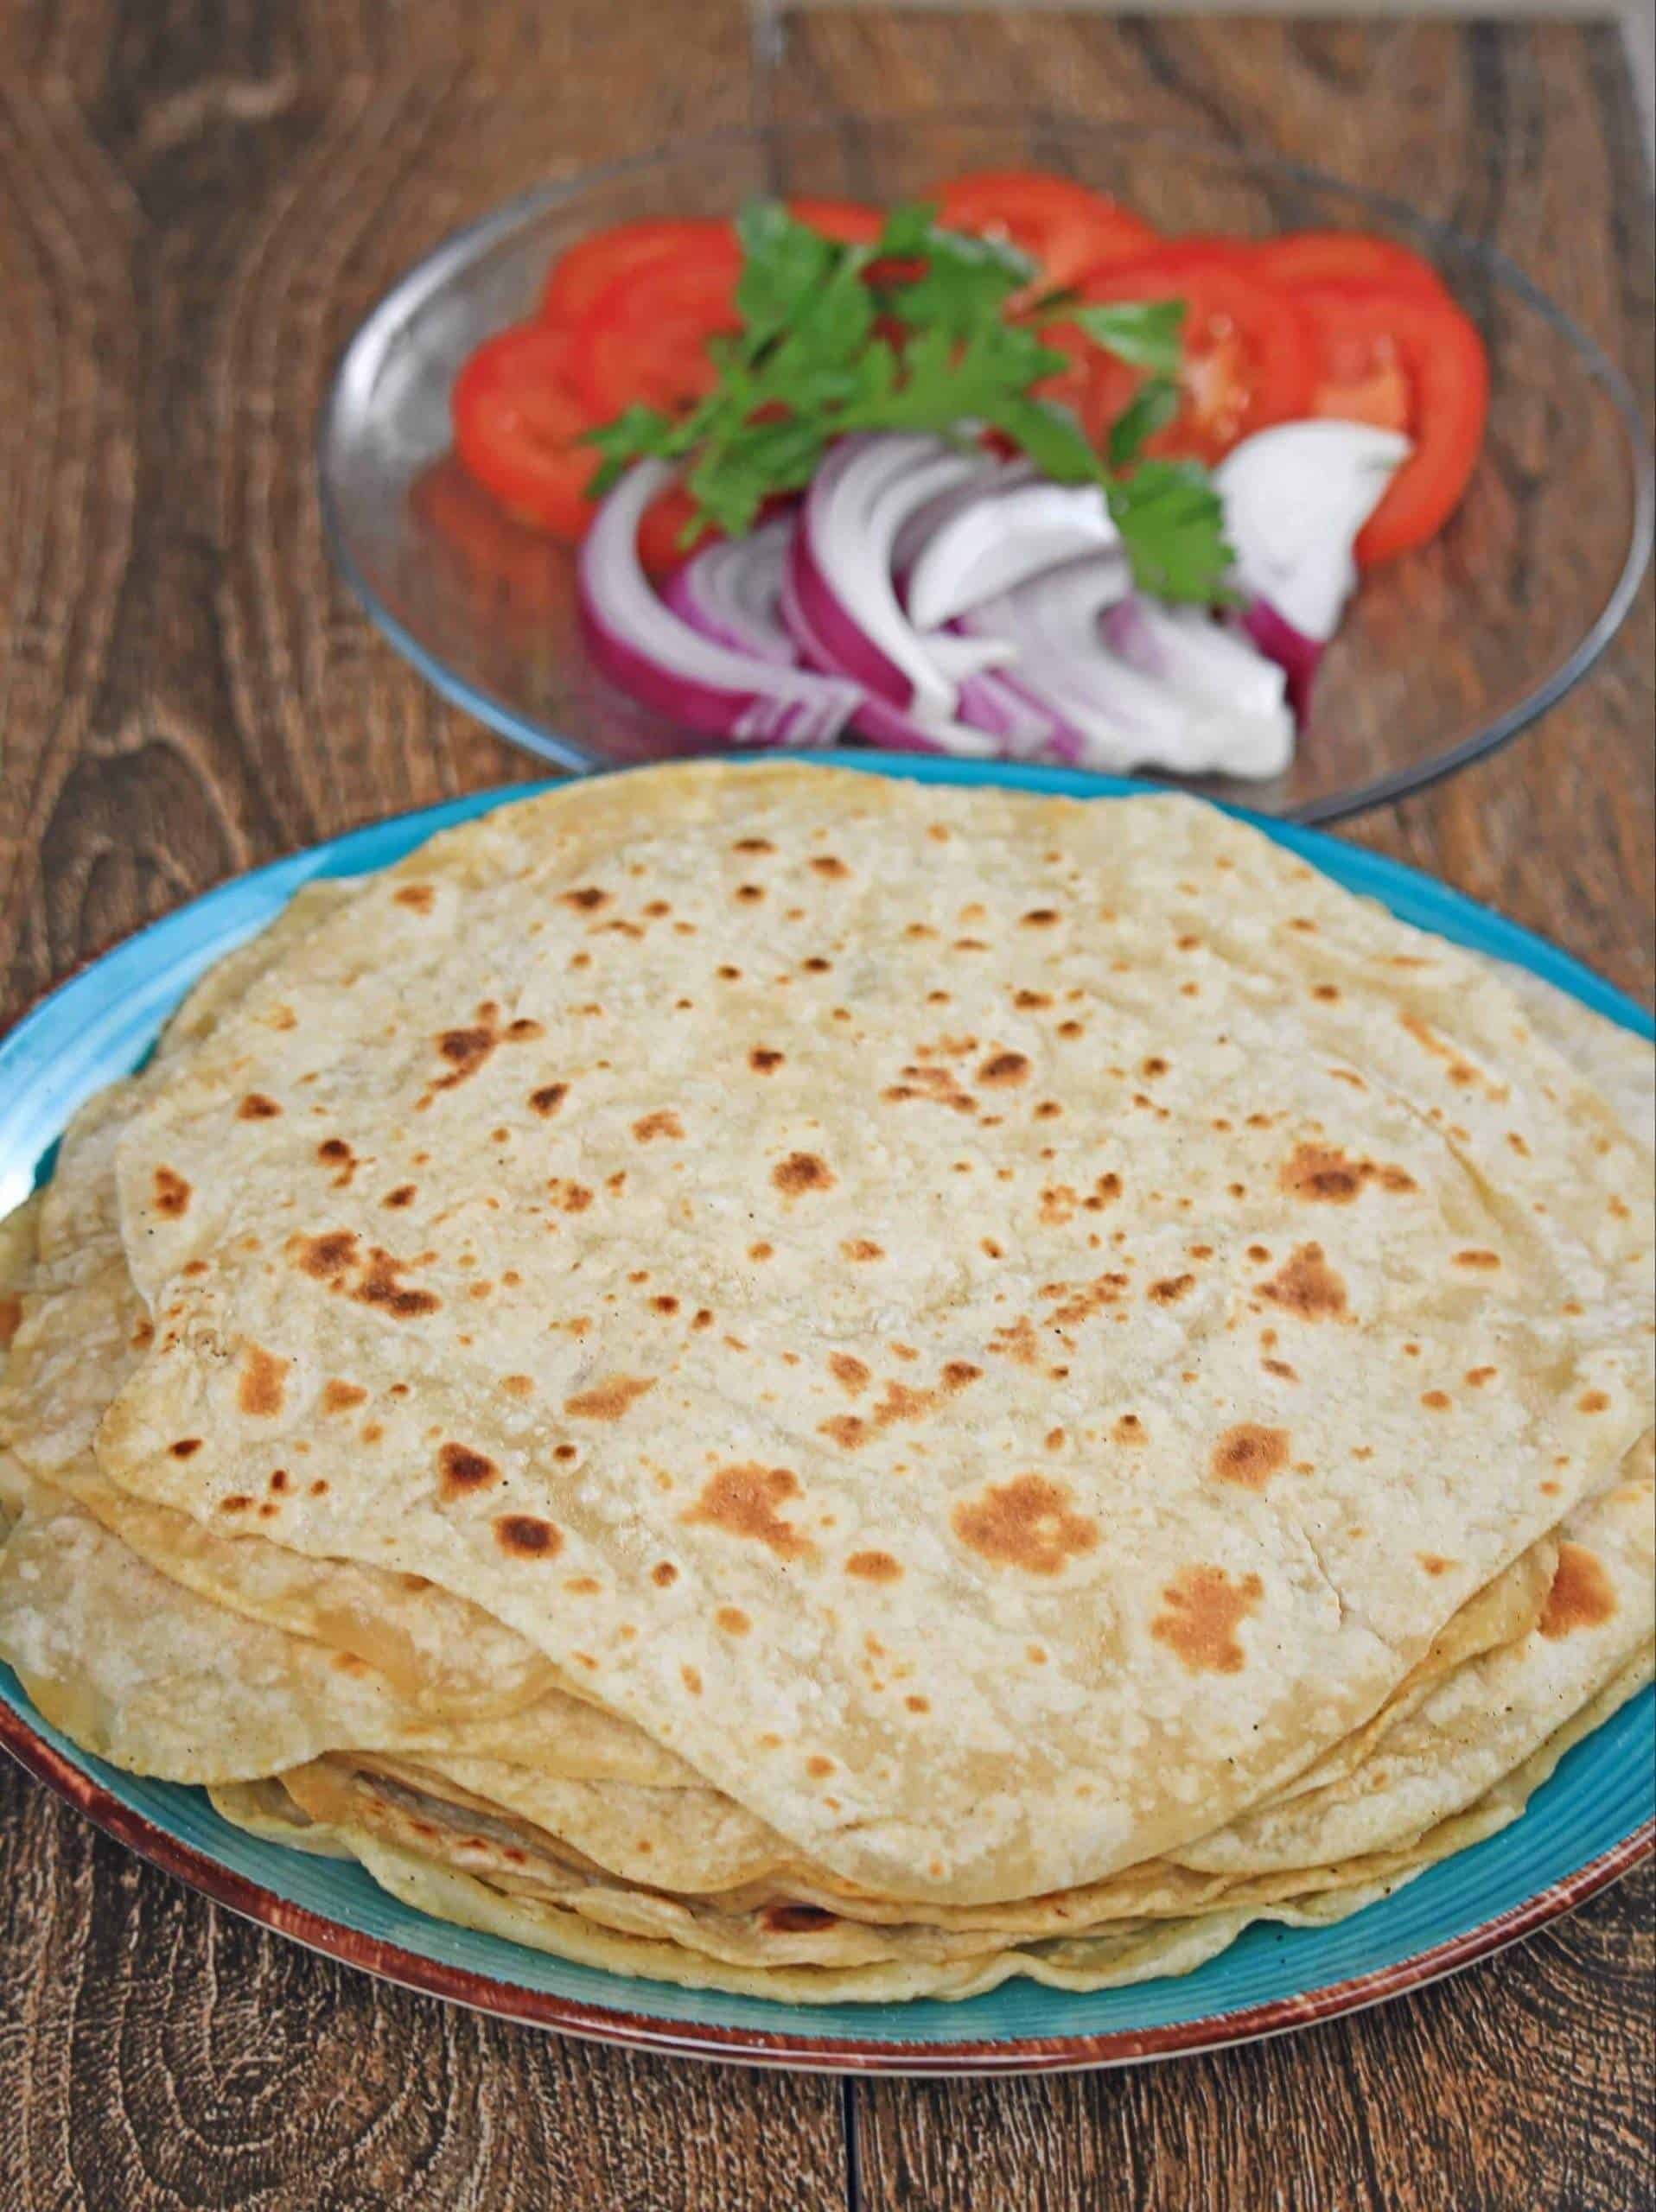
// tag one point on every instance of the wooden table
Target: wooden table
(197, 203)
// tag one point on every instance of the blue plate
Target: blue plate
(1591, 1821)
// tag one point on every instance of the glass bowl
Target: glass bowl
(1444, 655)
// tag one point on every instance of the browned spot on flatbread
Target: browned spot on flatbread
(851, 1374)
(587, 899)
(743, 1501)
(462, 1471)
(862, 1248)
(733, 1620)
(172, 1193)
(1171, 1289)
(256, 1107)
(874, 1567)
(465, 1050)
(381, 1286)
(1477, 1258)
(417, 896)
(525, 1537)
(1433, 1563)
(849, 1431)
(1004, 1071)
(1460, 1069)
(959, 1373)
(1593, 1402)
(548, 1098)
(610, 1398)
(1250, 1454)
(663, 1122)
(1028, 1523)
(403, 1195)
(11, 1318)
(329, 1257)
(263, 1383)
(801, 1172)
(1308, 1286)
(1040, 917)
(829, 866)
(1581, 1596)
(186, 1448)
(1322, 1175)
(1018, 1342)
(764, 1059)
(1204, 1610)
(339, 1397)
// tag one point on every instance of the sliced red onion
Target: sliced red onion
(729, 591)
(1295, 654)
(1295, 498)
(927, 520)
(992, 544)
(1119, 717)
(878, 718)
(650, 651)
(841, 578)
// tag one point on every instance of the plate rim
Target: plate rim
(369, 342)
(789, 2049)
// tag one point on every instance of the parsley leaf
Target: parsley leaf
(1145, 334)
(1151, 408)
(1173, 528)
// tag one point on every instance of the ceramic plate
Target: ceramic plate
(1590, 1822)
(1443, 656)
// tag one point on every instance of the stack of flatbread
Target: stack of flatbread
(782, 1380)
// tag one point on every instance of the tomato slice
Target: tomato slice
(518, 428)
(1439, 354)
(1060, 225)
(577, 276)
(848, 222)
(1305, 258)
(1249, 350)
(660, 532)
(643, 340)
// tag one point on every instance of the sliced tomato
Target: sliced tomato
(592, 263)
(518, 427)
(1062, 226)
(1305, 258)
(1249, 350)
(643, 340)
(1436, 351)
(848, 222)
(661, 545)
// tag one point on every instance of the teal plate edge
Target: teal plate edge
(1584, 1828)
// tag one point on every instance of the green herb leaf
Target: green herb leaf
(1145, 334)
(1172, 530)
(1151, 408)
(782, 264)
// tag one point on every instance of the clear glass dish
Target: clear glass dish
(1443, 657)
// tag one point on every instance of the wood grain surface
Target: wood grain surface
(199, 200)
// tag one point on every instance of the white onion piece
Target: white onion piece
(1188, 648)
(729, 591)
(840, 569)
(1120, 718)
(650, 651)
(993, 544)
(1295, 498)
(925, 520)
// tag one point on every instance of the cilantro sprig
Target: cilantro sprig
(818, 356)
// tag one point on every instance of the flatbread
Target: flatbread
(1435, 1196)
